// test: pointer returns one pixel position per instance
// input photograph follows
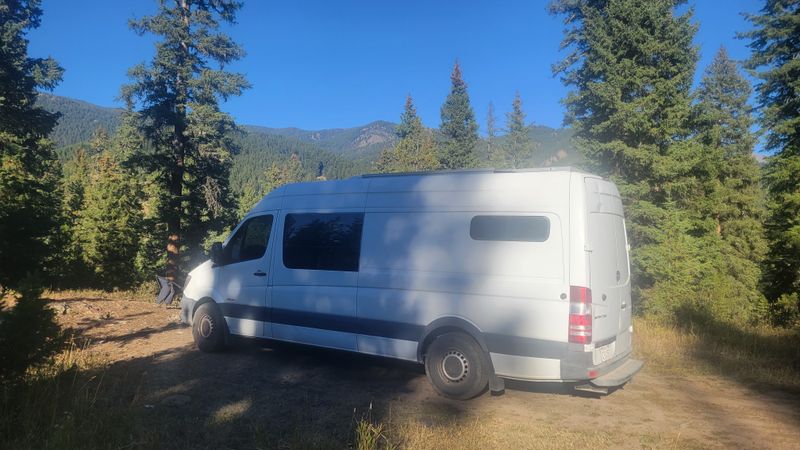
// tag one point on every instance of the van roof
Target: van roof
(474, 171)
(450, 180)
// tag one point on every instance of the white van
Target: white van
(480, 275)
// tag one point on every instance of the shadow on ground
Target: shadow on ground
(268, 396)
(263, 395)
(767, 361)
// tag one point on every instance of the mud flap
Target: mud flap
(497, 386)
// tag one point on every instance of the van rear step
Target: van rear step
(593, 389)
(619, 375)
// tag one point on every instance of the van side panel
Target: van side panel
(419, 263)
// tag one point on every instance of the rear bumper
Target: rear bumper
(577, 366)
(619, 375)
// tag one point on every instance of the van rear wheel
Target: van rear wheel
(208, 328)
(456, 366)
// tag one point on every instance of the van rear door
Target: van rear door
(609, 273)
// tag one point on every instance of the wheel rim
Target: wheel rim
(206, 327)
(455, 366)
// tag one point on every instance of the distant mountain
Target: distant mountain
(361, 144)
(364, 140)
(78, 119)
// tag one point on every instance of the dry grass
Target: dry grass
(145, 293)
(70, 404)
(494, 433)
(762, 357)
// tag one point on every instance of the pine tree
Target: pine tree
(518, 149)
(409, 120)
(491, 133)
(735, 199)
(76, 177)
(29, 174)
(134, 154)
(415, 152)
(631, 70)
(458, 128)
(775, 46)
(179, 93)
(30, 198)
(109, 224)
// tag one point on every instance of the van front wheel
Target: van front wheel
(456, 366)
(208, 328)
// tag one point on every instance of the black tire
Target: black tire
(456, 366)
(208, 328)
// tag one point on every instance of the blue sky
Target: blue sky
(328, 64)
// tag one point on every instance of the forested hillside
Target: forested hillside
(356, 143)
(256, 152)
(77, 119)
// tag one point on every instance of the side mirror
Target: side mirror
(215, 253)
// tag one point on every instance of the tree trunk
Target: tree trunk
(174, 216)
(180, 146)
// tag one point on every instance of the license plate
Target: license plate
(604, 353)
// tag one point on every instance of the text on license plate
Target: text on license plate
(604, 353)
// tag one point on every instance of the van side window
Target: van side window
(510, 228)
(322, 241)
(250, 240)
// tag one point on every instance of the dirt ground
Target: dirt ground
(279, 391)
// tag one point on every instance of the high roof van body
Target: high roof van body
(480, 275)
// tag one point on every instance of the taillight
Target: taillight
(580, 315)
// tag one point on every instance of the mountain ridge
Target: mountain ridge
(361, 144)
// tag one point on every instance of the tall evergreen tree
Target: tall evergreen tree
(775, 45)
(458, 128)
(631, 70)
(132, 151)
(29, 174)
(491, 132)
(109, 224)
(518, 149)
(736, 198)
(179, 93)
(415, 151)
(77, 175)
(30, 198)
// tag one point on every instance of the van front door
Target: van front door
(244, 278)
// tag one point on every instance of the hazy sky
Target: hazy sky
(326, 64)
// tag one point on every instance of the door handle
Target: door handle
(259, 273)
